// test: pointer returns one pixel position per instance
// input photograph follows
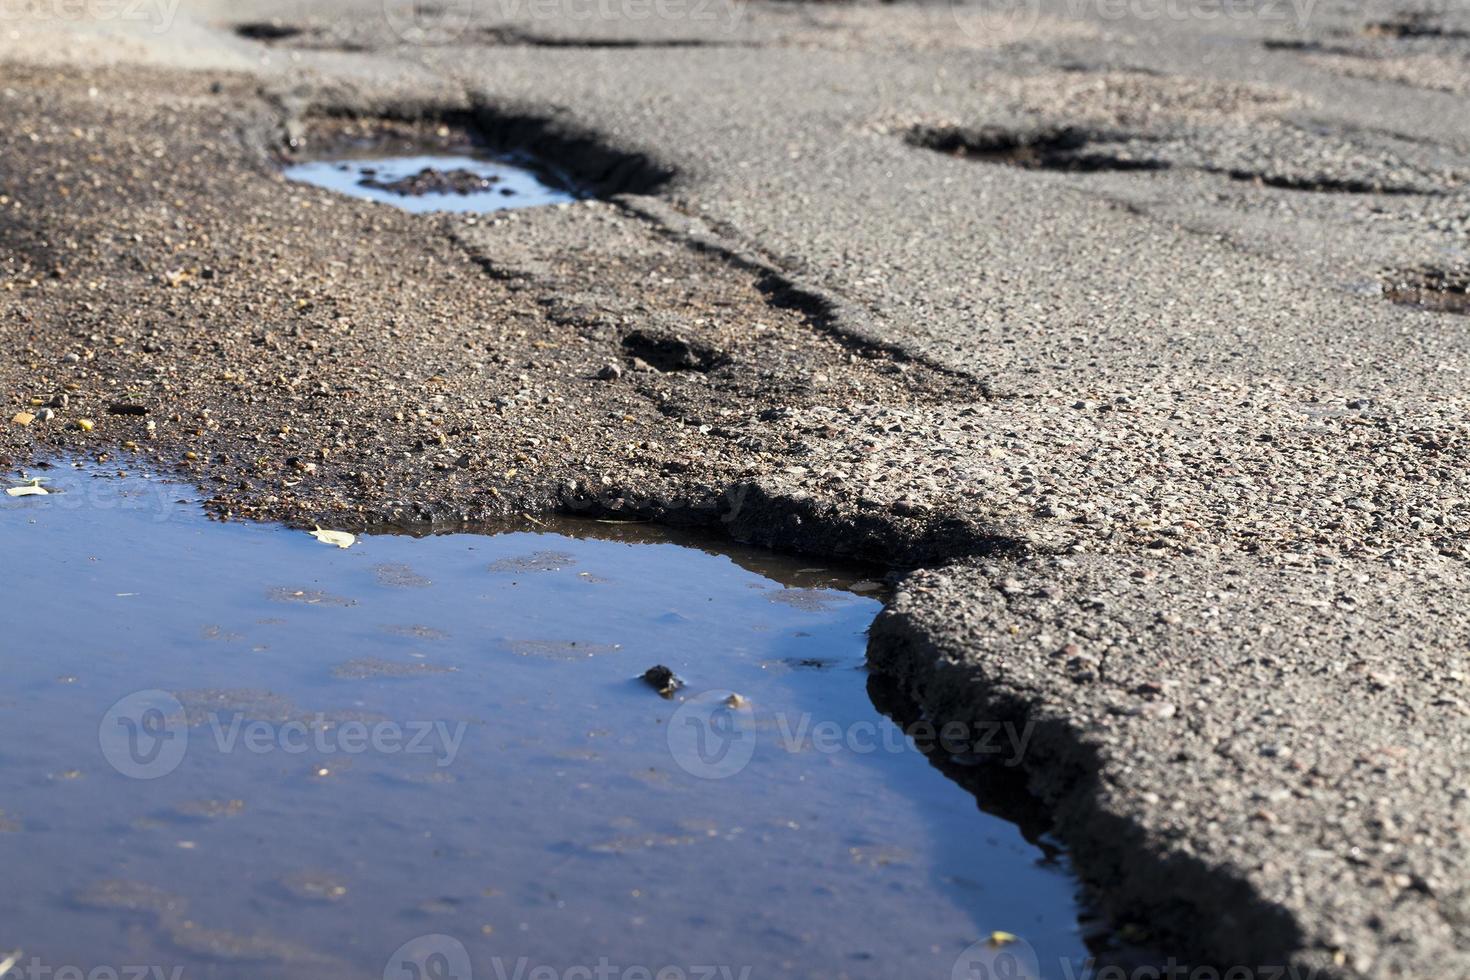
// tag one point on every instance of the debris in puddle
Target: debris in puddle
(311, 597)
(341, 539)
(662, 680)
(431, 180)
(397, 575)
(736, 701)
(461, 184)
(31, 489)
(209, 809)
(365, 668)
(541, 561)
(561, 650)
(313, 886)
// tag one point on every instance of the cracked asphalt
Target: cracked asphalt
(1081, 323)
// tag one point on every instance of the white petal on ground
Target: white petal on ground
(339, 538)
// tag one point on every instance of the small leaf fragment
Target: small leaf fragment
(24, 418)
(999, 938)
(339, 538)
(32, 489)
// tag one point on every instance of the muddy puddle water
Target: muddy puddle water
(232, 750)
(465, 184)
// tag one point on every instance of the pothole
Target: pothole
(424, 183)
(1414, 25)
(1066, 148)
(268, 30)
(1312, 160)
(463, 755)
(671, 352)
(431, 167)
(1442, 290)
(462, 161)
(518, 37)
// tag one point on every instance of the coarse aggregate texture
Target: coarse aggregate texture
(1090, 325)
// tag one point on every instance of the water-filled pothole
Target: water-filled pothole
(427, 166)
(463, 160)
(433, 183)
(236, 747)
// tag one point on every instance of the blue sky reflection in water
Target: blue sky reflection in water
(505, 185)
(343, 751)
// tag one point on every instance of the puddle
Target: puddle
(425, 165)
(461, 184)
(239, 751)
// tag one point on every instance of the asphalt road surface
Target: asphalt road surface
(1129, 335)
